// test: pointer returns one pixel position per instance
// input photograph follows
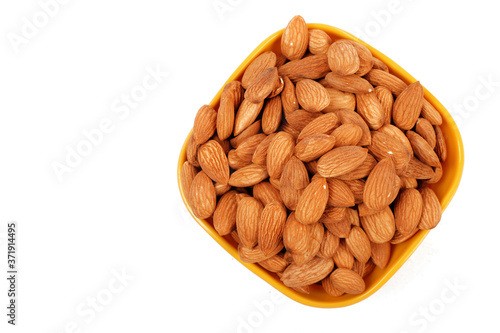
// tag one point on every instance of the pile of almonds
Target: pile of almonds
(316, 161)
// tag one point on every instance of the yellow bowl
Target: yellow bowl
(445, 188)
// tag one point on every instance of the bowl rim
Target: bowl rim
(417, 239)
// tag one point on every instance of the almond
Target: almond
(248, 175)
(279, 152)
(213, 161)
(313, 245)
(327, 285)
(381, 185)
(400, 238)
(379, 227)
(347, 281)
(204, 124)
(248, 132)
(370, 109)
(260, 153)
(351, 117)
(396, 133)
(262, 86)
(384, 145)
(333, 214)
(312, 96)
(422, 149)
(272, 223)
(408, 182)
(258, 65)
(266, 193)
(440, 149)
(329, 245)
(431, 212)
(313, 201)
(361, 171)
(248, 220)
(407, 106)
(202, 197)
(340, 100)
(408, 210)
(301, 118)
(235, 161)
(253, 255)
(271, 116)
(188, 172)
(378, 77)
(324, 124)
(279, 85)
(381, 253)
(338, 228)
(314, 146)
(379, 64)
(224, 218)
(289, 97)
(357, 187)
(339, 194)
(295, 38)
(274, 264)
(418, 170)
(430, 113)
(342, 257)
(246, 115)
(365, 57)
(343, 58)
(384, 95)
(363, 269)
(230, 100)
(349, 83)
(221, 189)
(347, 135)
(319, 41)
(296, 235)
(246, 149)
(425, 129)
(192, 151)
(294, 180)
(358, 244)
(312, 67)
(313, 271)
(341, 160)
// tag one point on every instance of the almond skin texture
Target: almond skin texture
(214, 162)
(381, 253)
(408, 210)
(262, 85)
(365, 57)
(347, 135)
(247, 113)
(225, 213)
(381, 185)
(313, 201)
(272, 224)
(252, 255)
(339, 194)
(340, 100)
(379, 77)
(312, 67)
(319, 41)
(246, 149)
(329, 245)
(384, 95)
(294, 180)
(431, 114)
(343, 257)
(295, 38)
(384, 145)
(347, 281)
(301, 118)
(324, 124)
(192, 151)
(257, 66)
(248, 220)
(341, 160)
(423, 150)
(279, 152)
(230, 99)
(314, 146)
(441, 149)
(395, 132)
(431, 212)
(204, 124)
(248, 175)
(289, 97)
(248, 132)
(313, 271)
(343, 58)
(351, 117)
(369, 107)
(349, 83)
(296, 235)
(313, 245)
(425, 129)
(380, 227)
(327, 285)
(361, 171)
(260, 153)
(416, 169)
(312, 96)
(359, 244)
(271, 116)
(407, 106)
(188, 172)
(266, 193)
(274, 264)
(202, 196)
(221, 189)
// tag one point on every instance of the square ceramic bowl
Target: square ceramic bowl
(445, 188)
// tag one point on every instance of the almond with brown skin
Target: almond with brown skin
(296, 235)
(399, 238)
(204, 124)
(235, 161)
(379, 64)
(289, 97)
(396, 133)
(441, 150)
(274, 264)
(365, 57)
(272, 223)
(416, 169)
(188, 172)
(231, 98)
(364, 210)
(314, 146)
(248, 132)
(340, 100)
(327, 285)
(408, 182)
(311, 67)
(380, 253)
(351, 117)
(343, 58)
(260, 153)
(333, 215)
(301, 118)
(343, 257)
(246, 149)
(408, 105)
(339, 194)
(213, 161)
(221, 189)
(311, 272)
(357, 187)
(246, 115)
(422, 149)
(361, 171)
(338, 228)
(248, 220)
(271, 116)
(369, 107)
(430, 113)
(258, 65)
(202, 197)
(381, 185)
(386, 99)
(313, 201)
(363, 269)
(378, 77)
(266, 193)
(425, 129)
(349, 83)
(347, 135)
(295, 38)
(319, 41)
(248, 176)
(358, 244)
(329, 245)
(379, 227)
(384, 145)
(262, 86)
(294, 180)
(408, 210)
(279, 152)
(255, 254)
(313, 245)
(431, 211)
(324, 124)
(192, 151)
(224, 218)
(279, 85)
(341, 160)
(311, 95)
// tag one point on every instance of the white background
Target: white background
(120, 209)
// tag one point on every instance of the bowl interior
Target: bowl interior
(445, 188)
